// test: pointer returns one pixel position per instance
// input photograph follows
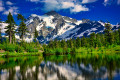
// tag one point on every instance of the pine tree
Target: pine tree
(92, 40)
(78, 42)
(63, 44)
(98, 40)
(0, 32)
(51, 44)
(35, 34)
(119, 35)
(11, 27)
(22, 28)
(116, 37)
(0, 35)
(102, 39)
(71, 43)
(83, 42)
(108, 34)
(56, 43)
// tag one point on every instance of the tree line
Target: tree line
(108, 37)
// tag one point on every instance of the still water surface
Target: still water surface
(69, 67)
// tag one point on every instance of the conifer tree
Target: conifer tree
(11, 27)
(22, 28)
(98, 40)
(119, 35)
(108, 34)
(78, 42)
(92, 40)
(83, 42)
(0, 28)
(0, 33)
(116, 37)
(35, 34)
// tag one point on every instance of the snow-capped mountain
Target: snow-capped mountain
(52, 26)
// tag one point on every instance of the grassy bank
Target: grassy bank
(110, 50)
(13, 54)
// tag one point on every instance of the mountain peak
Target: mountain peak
(53, 13)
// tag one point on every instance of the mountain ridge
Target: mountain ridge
(52, 26)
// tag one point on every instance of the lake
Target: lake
(68, 67)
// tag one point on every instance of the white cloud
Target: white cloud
(63, 4)
(51, 5)
(66, 5)
(9, 3)
(1, 6)
(109, 2)
(118, 2)
(8, 8)
(106, 2)
(1, 3)
(79, 8)
(12, 10)
(33, 0)
(88, 1)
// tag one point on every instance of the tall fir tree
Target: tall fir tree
(35, 34)
(22, 28)
(108, 34)
(116, 37)
(78, 42)
(10, 29)
(0, 35)
(83, 42)
(0, 31)
(119, 35)
(93, 40)
(98, 40)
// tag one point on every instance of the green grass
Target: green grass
(108, 50)
(13, 54)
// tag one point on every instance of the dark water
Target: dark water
(70, 67)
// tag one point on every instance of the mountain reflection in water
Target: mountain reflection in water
(59, 68)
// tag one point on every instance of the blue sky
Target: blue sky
(105, 10)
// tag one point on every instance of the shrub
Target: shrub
(59, 51)
(9, 47)
(73, 50)
(51, 51)
(1, 46)
(30, 48)
(68, 51)
(19, 48)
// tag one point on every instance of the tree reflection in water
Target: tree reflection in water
(59, 68)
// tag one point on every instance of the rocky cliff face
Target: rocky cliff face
(49, 25)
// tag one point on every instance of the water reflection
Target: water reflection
(59, 68)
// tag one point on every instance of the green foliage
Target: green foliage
(108, 34)
(59, 51)
(9, 47)
(0, 35)
(1, 46)
(68, 50)
(94, 43)
(22, 29)
(30, 47)
(10, 28)
(35, 34)
(19, 48)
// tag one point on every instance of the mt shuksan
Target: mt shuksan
(52, 26)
